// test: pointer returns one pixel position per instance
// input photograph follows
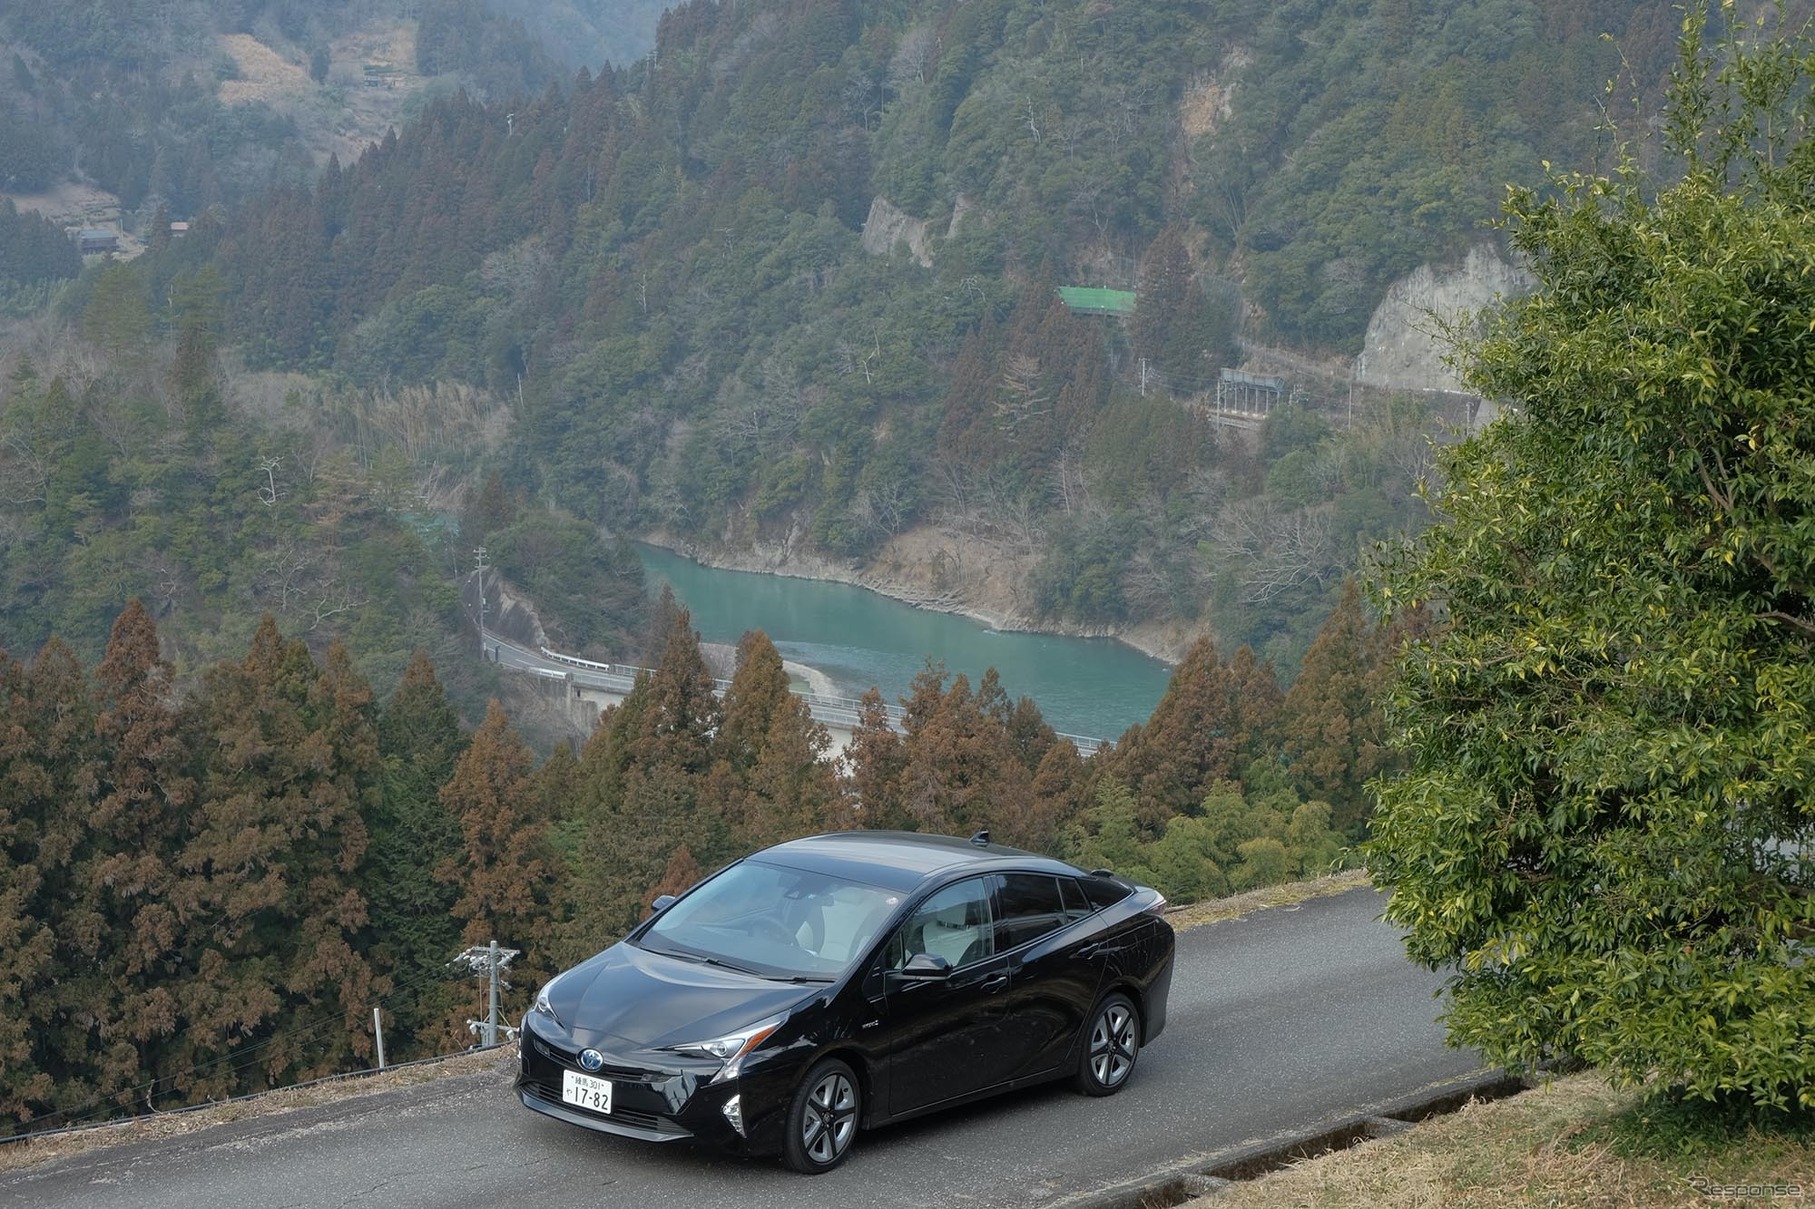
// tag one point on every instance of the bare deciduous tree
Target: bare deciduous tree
(1300, 551)
(335, 597)
(1069, 486)
(862, 96)
(1147, 583)
(285, 574)
(268, 494)
(913, 55)
(24, 473)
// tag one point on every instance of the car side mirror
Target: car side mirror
(927, 967)
(662, 903)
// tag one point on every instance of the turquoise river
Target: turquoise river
(858, 638)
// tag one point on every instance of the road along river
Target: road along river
(1292, 1019)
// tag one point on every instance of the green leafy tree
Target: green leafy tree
(78, 1015)
(1108, 836)
(117, 318)
(1175, 325)
(1603, 836)
(642, 797)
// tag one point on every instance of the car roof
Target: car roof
(903, 860)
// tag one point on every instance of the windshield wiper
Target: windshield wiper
(708, 960)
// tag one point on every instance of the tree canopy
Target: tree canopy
(206, 891)
(1604, 833)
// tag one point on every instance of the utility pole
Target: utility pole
(488, 962)
(479, 570)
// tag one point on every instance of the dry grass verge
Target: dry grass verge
(1575, 1143)
(1285, 894)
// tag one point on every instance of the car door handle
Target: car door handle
(992, 984)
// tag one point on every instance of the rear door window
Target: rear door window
(1028, 906)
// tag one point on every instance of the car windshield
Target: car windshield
(774, 921)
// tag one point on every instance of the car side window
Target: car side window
(1028, 906)
(1076, 905)
(955, 923)
(1102, 892)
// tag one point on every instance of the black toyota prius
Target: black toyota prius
(846, 981)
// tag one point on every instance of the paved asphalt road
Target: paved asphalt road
(1290, 1020)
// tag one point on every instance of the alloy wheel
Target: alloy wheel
(1113, 1044)
(830, 1119)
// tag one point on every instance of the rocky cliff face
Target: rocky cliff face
(1403, 350)
(888, 225)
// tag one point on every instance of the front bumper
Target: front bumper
(655, 1096)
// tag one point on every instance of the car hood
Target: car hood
(630, 997)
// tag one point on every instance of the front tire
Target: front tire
(1111, 1044)
(822, 1118)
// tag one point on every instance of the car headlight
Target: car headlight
(732, 1048)
(542, 1004)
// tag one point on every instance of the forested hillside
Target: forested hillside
(666, 264)
(207, 892)
(134, 464)
(138, 98)
(675, 278)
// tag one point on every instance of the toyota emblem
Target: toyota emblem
(591, 1059)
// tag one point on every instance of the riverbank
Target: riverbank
(941, 570)
(863, 639)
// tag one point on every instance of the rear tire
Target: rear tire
(822, 1118)
(1112, 1042)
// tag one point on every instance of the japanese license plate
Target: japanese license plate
(586, 1091)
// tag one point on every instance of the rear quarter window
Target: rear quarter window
(1102, 892)
(1076, 905)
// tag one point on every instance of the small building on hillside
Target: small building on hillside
(96, 241)
(1248, 394)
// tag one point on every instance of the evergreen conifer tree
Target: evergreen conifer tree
(411, 931)
(1332, 730)
(285, 761)
(137, 828)
(506, 873)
